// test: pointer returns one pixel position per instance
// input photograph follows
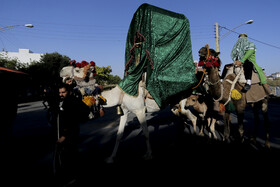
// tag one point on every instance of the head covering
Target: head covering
(240, 35)
(241, 46)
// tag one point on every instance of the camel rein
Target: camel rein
(222, 87)
(204, 69)
(222, 90)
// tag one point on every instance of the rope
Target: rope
(222, 94)
(233, 84)
(204, 70)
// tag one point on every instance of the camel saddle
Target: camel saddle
(257, 91)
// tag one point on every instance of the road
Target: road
(176, 152)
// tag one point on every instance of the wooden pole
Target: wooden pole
(217, 37)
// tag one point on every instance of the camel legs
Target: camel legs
(201, 131)
(263, 105)
(191, 117)
(266, 122)
(212, 127)
(256, 122)
(240, 121)
(188, 114)
(141, 116)
(227, 121)
(122, 124)
(142, 120)
(240, 110)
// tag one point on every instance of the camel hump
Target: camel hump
(230, 77)
(231, 69)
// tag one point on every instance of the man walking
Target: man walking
(72, 112)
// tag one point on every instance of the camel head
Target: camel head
(66, 72)
(209, 58)
(83, 71)
(203, 53)
(71, 72)
(191, 100)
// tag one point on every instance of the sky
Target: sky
(97, 29)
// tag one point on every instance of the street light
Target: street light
(225, 35)
(230, 31)
(12, 26)
(29, 25)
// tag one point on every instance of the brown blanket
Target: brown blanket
(257, 92)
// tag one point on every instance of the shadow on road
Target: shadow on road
(178, 156)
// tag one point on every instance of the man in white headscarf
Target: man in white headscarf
(243, 52)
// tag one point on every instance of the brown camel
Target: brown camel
(202, 111)
(221, 90)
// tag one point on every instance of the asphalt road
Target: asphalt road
(178, 155)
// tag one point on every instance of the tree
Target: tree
(114, 79)
(52, 64)
(102, 74)
(104, 77)
(46, 71)
(11, 64)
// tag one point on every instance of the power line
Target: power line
(253, 39)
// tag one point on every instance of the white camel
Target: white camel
(138, 105)
(77, 74)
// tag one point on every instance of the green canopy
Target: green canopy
(158, 42)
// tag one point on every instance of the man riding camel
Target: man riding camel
(243, 52)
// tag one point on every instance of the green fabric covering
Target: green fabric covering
(165, 54)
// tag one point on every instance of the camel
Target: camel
(204, 112)
(222, 90)
(163, 52)
(85, 86)
(79, 75)
(180, 111)
(201, 108)
(138, 105)
(116, 97)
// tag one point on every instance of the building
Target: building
(276, 75)
(23, 55)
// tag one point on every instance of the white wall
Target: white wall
(23, 55)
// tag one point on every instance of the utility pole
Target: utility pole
(217, 37)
